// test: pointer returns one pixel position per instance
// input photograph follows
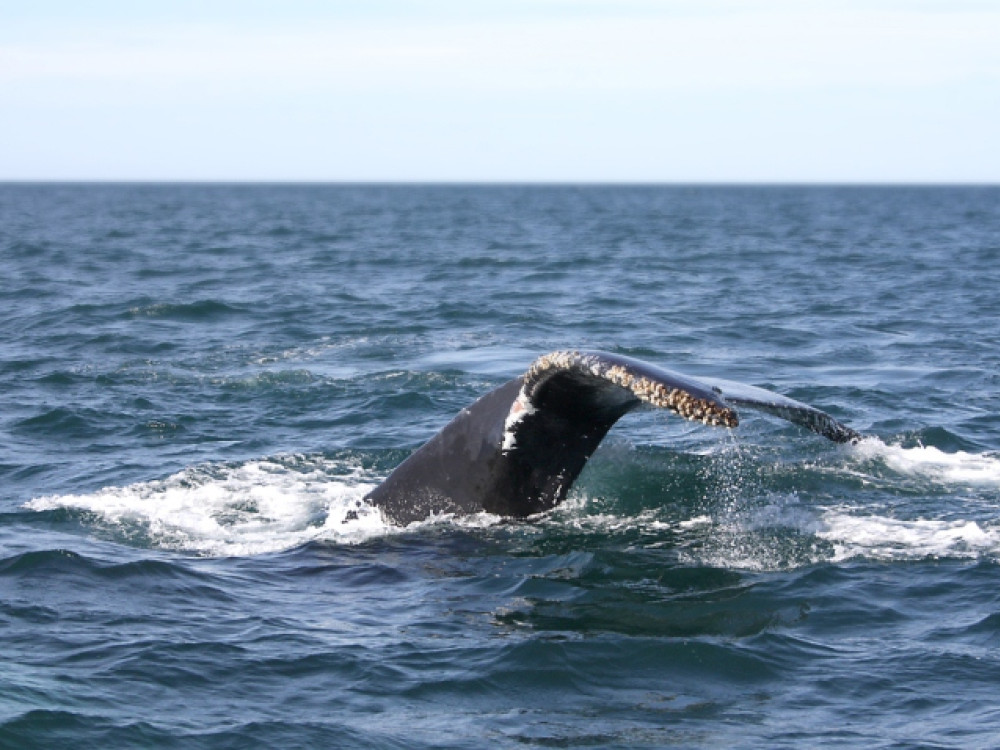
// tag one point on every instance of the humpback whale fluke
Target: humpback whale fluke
(518, 449)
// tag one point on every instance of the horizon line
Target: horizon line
(500, 183)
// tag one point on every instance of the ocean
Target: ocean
(199, 383)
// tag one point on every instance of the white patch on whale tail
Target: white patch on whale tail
(521, 408)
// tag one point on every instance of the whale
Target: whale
(517, 450)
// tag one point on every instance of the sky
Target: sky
(883, 91)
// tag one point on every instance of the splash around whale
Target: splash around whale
(517, 450)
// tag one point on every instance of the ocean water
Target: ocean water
(199, 383)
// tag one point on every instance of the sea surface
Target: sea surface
(199, 383)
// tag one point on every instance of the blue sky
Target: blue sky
(519, 90)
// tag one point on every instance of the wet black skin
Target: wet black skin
(465, 468)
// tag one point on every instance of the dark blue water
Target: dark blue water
(199, 383)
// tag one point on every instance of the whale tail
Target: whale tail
(518, 449)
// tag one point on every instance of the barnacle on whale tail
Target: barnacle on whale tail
(668, 391)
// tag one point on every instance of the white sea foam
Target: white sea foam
(883, 538)
(790, 532)
(777, 537)
(270, 505)
(856, 533)
(232, 510)
(928, 462)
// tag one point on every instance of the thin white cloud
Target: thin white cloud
(737, 49)
(548, 89)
